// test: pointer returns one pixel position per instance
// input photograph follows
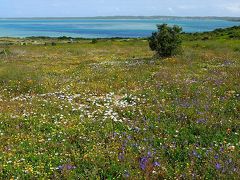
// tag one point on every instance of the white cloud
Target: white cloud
(234, 8)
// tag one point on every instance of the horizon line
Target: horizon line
(117, 16)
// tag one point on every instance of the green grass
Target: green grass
(108, 110)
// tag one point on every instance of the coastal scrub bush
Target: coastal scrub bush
(167, 41)
(94, 41)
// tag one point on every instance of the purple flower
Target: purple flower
(229, 161)
(143, 163)
(122, 148)
(156, 164)
(149, 154)
(115, 134)
(66, 167)
(201, 121)
(216, 156)
(221, 149)
(121, 156)
(129, 137)
(60, 167)
(218, 166)
(195, 153)
(70, 167)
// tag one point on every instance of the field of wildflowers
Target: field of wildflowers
(108, 110)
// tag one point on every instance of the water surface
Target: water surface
(93, 28)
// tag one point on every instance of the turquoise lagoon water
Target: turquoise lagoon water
(101, 28)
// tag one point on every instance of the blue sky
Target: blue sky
(83, 8)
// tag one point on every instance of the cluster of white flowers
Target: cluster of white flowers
(86, 105)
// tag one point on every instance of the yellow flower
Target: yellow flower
(30, 81)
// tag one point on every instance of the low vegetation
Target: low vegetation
(106, 110)
(227, 33)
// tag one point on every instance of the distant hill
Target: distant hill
(139, 17)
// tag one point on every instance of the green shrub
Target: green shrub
(167, 41)
(54, 44)
(94, 41)
(205, 38)
(64, 38)
(236, 49)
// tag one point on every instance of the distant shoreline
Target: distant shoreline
(134, 17)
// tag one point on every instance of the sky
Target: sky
(90, 8)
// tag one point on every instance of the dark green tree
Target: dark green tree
(167, 41)
(94, 41)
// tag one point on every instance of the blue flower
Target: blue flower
(196, 154)
(218, 166)
(156, 164)
(149, 154)
(143, 163)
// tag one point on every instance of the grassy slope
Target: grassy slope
(106, 110)
(221, 33)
